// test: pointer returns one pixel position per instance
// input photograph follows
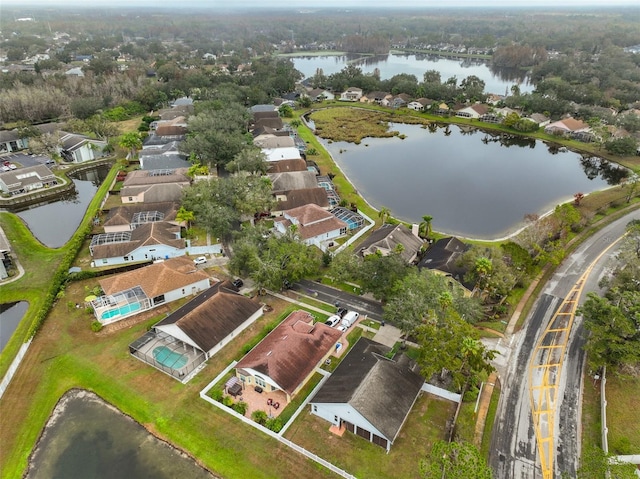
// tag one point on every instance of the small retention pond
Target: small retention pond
(10, 316)
(473, 184)
(87, 438)
(54, 224)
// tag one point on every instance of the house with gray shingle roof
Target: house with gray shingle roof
(197, 330)
(78, 148)
(369, 394)
(389, 239)
(27, 179)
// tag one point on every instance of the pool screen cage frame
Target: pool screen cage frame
(351, 218)
(127, 297)
(143, 347)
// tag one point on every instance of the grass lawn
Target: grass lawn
(491, 417)
(466, 423)
(623, 417)
(426, 423)
(67, 354)
(591, 423)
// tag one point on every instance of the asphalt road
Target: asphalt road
(372, 308)
(513, 444)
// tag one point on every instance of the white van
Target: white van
(350, 318)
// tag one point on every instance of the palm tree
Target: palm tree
(132, 142)
(424, 229)
(384, 214)
(184, 215)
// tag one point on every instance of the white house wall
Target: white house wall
(188, 290)
(345, 412)
(174, 331)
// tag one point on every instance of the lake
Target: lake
(54, 224)
(89, 439)
(394, 64)
(473, 184)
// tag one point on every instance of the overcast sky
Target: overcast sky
(300, 4)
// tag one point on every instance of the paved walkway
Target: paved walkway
(483, 407)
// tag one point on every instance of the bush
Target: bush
(274, 424)
(96, 326)
(260, 417)
(240, 407)
(227, 401)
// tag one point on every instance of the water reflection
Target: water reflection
(10, 316)
(53, 224)
(496, 80)
(474, 184)
(89, 439)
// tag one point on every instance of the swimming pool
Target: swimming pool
(121, 311)
(168, 358)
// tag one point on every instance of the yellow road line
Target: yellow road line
(548, 357)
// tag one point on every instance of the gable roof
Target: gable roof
(292, 350)
(275, 123)
(154, 193)
(150, 177)
(296, 198)
(157, 278)
(283, 166)
(212, 315)
(387, 238)
(147, 234)
(123, 215)
(292, 180)
(381, 389)
(312, 221)
(20, 178)
(273, 141)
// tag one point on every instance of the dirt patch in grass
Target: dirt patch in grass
(426, 423)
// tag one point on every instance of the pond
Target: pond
(496, 81)
(53, 224)
(88, 438)
(473, 184)
(10, 316)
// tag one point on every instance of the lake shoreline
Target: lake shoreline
(57, 414)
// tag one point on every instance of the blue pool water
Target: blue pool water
(169, 358)
(121, 311)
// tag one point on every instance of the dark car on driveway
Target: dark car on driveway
(238, 283)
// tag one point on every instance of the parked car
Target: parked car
(12, 166)
(5, 168)
(342, 328)
(200, 260)
(332, 320)
(342, 311)
(238, 283)
(350, 318)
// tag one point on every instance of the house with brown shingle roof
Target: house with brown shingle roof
(284, 166)
(197, 330)
(570, 127)
(473, 111)
(287, 357)
(292, 180)
(130, 293)
(129, 217)
(154, 186)
(148, 242)
(288, 200)
(314, 225)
